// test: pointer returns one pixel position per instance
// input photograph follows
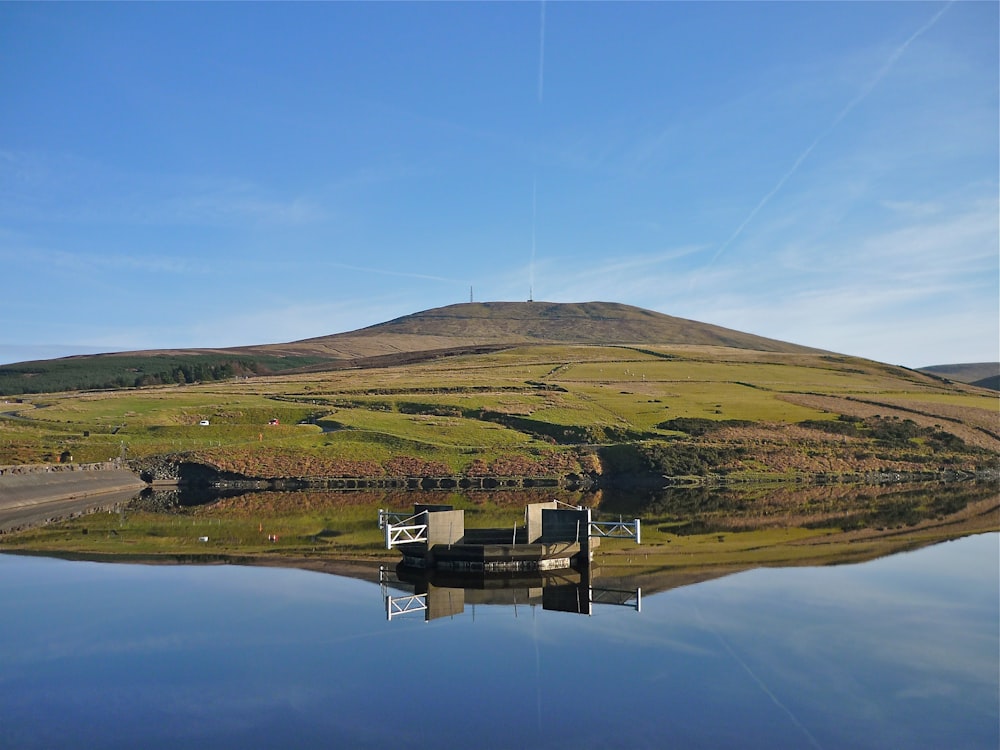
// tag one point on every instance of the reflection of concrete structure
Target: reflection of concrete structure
(446, 593)
(552, 537)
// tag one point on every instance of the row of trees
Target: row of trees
(101, 372)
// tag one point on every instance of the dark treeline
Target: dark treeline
(115, 371)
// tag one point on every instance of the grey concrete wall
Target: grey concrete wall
(534, 519)
(565, 525)
(445, 526)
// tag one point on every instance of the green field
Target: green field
(542, 403)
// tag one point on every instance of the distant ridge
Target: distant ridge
(982, 374)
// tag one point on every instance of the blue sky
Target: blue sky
(202, 175)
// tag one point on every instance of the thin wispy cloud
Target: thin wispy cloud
(621, 265)
(388, 272)
(850, 107)
(534, 226)
(68, 188)
(227, 203)
(852, 294)
(27, 258)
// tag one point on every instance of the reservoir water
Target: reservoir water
(898, 652)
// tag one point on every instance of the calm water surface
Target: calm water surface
(901, 652)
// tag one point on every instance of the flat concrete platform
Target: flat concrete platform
(28, 497)
(486, 556)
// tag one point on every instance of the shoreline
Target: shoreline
(37, 494)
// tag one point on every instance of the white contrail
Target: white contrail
(534, 223)
(541, 55)
(760, 683)
(534, 179)
(893, 58)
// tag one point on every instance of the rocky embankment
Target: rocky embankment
(192, 474)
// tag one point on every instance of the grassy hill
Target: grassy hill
(536, 409)
(529, 398)
(530, 322)
(445, 331)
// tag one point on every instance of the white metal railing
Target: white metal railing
(395, 535)
(617, 529)
(405, 531)
(567, 505)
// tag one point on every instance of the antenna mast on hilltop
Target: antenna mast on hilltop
(470, 294)
(531, 294)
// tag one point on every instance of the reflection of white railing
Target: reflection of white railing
(402, 605)
(398, 605)
(616, 529)
(402, 532)
(620, 597)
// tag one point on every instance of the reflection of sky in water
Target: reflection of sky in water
(900, 652)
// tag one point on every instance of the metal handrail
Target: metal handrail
(404, 534)
(557, 501)
(617, 530)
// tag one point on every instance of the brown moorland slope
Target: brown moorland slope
(467, 328)
(462, 326)
(518, 323)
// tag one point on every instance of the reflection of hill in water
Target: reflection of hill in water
(854, 523)
(708, 510)
(682, 510)
(242, 502)
(690, 535)
(976, 509)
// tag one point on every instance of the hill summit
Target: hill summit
(514, 323)
(455, 329)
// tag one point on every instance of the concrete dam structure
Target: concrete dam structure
(436, 593)
(553, 536)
